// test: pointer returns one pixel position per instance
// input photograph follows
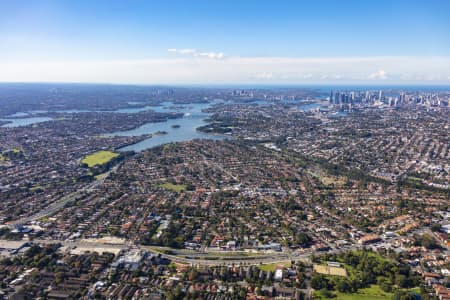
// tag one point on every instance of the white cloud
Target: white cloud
(201, 69)
(187, 51)
(423, 77)
(264, 75)
(215, 55)
(331, 76)
(379, 75)
(306, 76)
(196, 53)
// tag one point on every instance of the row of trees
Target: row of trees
(366, 268)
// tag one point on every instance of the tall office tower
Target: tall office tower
(380, 96)
(337, 98)
(402, 97)
(331, 97)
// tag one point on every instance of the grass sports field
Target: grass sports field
(330, 270)
(99, 158)
(273, 267)
(173, 187)
(371, 293)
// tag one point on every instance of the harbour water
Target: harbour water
(172, 130)
(176, 130)
(17, 122)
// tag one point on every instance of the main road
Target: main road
(220, 258)
(59, 204)
(204, 259)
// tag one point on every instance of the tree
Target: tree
(404, 281)
(326, 293)
(427, 241)
(172, 268)
(319, 282)
(384, 284)
(344, 285)
(303, 239)
(402, 295)
(436, 227)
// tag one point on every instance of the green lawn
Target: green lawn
(6, 152)
(100, 176)
(36, 187)
(169, 146)
(157, 231)
(173, 187)
(272, 267)
(99, 158)
(372, 293)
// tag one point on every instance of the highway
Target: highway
(220, 258)
(202, 258)
(59, 204)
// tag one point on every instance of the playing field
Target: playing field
(272, 267)
(374, 292)
(330, 270)
(173, 187)
(371, 293)
(99, 158)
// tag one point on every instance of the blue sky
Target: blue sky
(225, 41)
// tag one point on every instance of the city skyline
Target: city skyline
(325, 42)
